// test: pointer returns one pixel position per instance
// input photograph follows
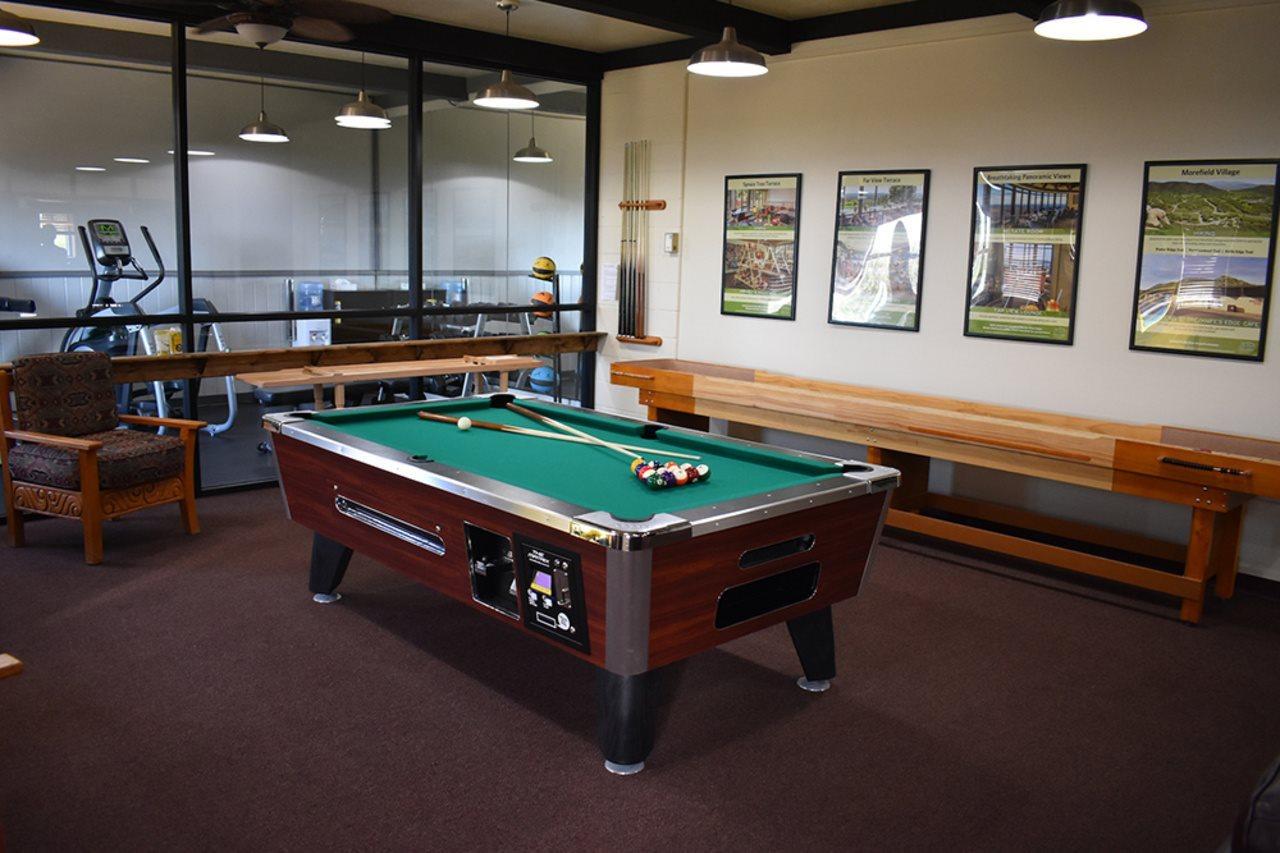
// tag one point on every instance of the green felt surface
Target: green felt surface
(582, 474)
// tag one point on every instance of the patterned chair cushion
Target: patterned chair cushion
(127, 458)
(66, 393)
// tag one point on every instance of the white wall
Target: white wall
(1200, 84)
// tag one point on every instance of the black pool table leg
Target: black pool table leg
(815, 642)
(624, 705)
(329, 561)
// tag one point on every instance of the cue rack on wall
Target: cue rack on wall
(633, 291)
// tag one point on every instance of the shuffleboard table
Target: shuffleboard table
(1212, 474)
(562, 542)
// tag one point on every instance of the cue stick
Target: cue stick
(537, 433)
(555, 424)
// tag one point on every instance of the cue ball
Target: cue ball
(464, 423)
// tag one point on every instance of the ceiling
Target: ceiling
(544, 22)
(578, 40)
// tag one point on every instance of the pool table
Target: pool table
(562, 542)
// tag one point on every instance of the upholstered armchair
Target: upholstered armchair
(65, 454)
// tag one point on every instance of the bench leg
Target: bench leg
(1225, 556)
(814, 637)
(329, 561)
(624, 708)
(1199, 549)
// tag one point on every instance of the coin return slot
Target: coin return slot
(776, 551)
(397, 527)
(747, 601)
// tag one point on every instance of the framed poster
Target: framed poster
(1024, 253)
(878, 258)
(1205, 258)
(761, 237)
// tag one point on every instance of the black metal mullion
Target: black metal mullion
(182, 222)
(416, 248)
(590, 242)
(331, 314)
(414, 194)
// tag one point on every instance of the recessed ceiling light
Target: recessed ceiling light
(194, 152)
(90, 169)
(130, 160)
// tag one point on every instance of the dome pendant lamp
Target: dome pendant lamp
(728, 58)
(15, 31)
(507, 94)
(1091, 20)
(531, 153)
(262, 129)
(362, 113)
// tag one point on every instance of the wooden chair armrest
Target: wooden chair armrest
(149, 420)
(66, 442)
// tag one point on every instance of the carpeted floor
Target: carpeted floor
(188, 695)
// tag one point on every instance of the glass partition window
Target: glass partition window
(488, 217)
(93, 142)
(314, 222)
(317, 222)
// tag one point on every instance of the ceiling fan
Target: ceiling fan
(265, 22)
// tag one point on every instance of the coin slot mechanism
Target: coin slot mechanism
(550, 582)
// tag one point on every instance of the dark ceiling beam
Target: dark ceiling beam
(910, 14)
(399, 37)
(701, 19)
(650, 54)
(91, 43)
(471, 48)
(1027, 8)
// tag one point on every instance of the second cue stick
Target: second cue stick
(537, 433)
(555, 424)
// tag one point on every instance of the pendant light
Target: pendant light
(531, 153)
(1091, 20)
(506, 94)
(262, 129)
(728, 58)
(16, 31)
(362, 113)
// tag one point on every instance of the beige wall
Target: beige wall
(1201, 83)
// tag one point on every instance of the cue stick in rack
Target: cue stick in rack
(633, 265)
(628, 240)
(537, 433)
(555, 424)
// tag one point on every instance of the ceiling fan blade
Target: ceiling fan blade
(344, 11)
(319, 29)
(225, 24)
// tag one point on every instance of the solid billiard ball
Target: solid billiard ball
(464, 423)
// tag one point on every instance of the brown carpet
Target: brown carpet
(187, 694)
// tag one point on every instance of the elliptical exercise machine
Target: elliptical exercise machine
(110, 259)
